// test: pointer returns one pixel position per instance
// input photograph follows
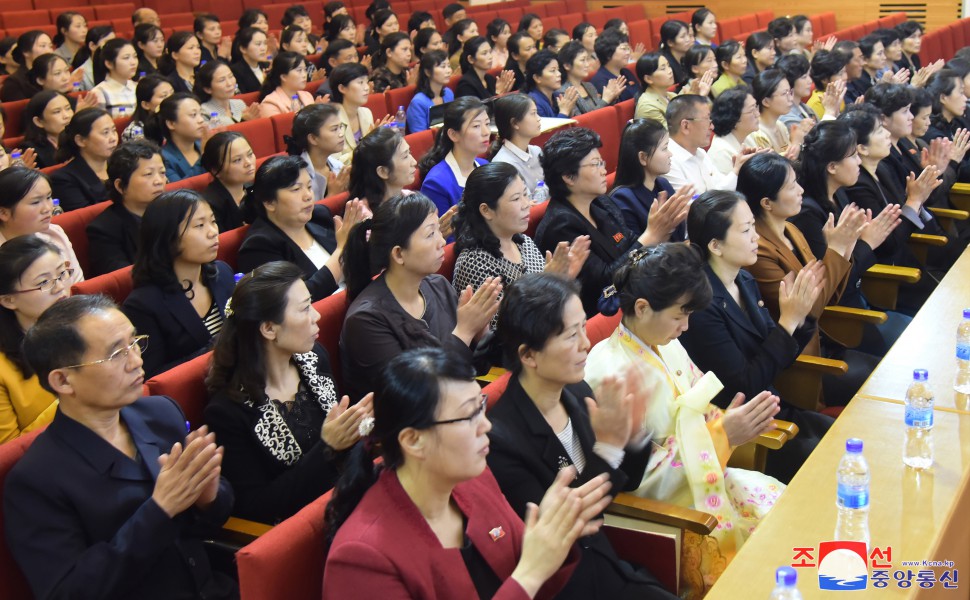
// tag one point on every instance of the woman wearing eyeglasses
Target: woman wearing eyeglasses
(33, 276)
(26, 208)
(546, 419)
(274, 404)
(430, 521)
(773, 94)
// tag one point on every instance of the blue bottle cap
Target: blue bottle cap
(55, 202)
(920, 375)
(786, 576)
(966, 313)
(238, 276)
(853, 445)
(141, 74)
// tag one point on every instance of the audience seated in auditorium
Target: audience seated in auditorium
(283, 92)
(298, 17)
(614, 53)
(873, 59)
(640, 190)
(518, 123)
(546, 421)
(51, 72)
(150, 45)
(71, 29)
(658, 288)
(734, 336)
(398, 302)
(773, 94)
(30, 45)
(542, 83)
(287, 225)
(578, 206)
(339, 52)
(911, 34)
(45, 118)
(769, 184)
(701, 68)
(317, 137)
(182, 57)
(180, 289)
(249, 59)
(732, 64)
(703, 25)
(392, 62)
(828, 70)
(26, 208)
(782, 32)
(384, 22)
(149, 93)
(734, 116)
(434, 73)
(215, 86)
(585, 33)
(675, 41)
(180, 126)
(115, 66)
(87, 142)
(274, 406)
(456, 36)
(521, 48)
(574, 67)
(230, 160)
(477, 58)
(463, 137)
(490, 238)
(113, 499)
(33, 276)
(212, 44)
(425, 40)
(689, 122)
(947, 90)
(137, 176)
(654, 72)
(498, 33)
(349, 91)
(430, 419)
(797, 71)
(382, 166)
(760, 50)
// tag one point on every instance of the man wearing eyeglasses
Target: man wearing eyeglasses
(112, 499)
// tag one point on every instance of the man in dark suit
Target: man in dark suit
(111, 501)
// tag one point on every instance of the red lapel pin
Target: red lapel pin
(497, 533)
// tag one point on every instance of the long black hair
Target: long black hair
(93, 38)
(108, 53)
(392, 225)
(144, 92)
(662, 275)
(164, 223)
(457, 113)
(486, 185)
(277, 173)
(407, 396)
(81, 124)
(33, 133)
(16, 256)
(306, 122)
(763, 176)
(283, 63)
(426, 68)
(376, 149)
(709, 218)
(156, 126)
(507, 111)
(639, 135)
(238, 366)
(827, 142)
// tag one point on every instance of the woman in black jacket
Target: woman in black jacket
(544, 422)
(735, 337)
(180, 289)
(274, 405)
(87, 142)
(287, 225)
(249, 59)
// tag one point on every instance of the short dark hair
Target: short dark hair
(531, 313)
(250, 16)
(331, 7)
(80, 125)
(826, 65)
(580, 30)
(534, 67)
(765, 84)
(868, 44)
(343, 75)
(763, 176)
(215, 155)
(201, 19)
(780, 27)
(639, 135)
(513, 43)
(727, 109)
(292, 13)
(940, 83)
(333, 50)
(863, 119)
(123, 163)
(662, 275)
(846, 47)
(887, 35)
(376, 149)
(277, 173)
(54, 341)
(725, 53)
(682, 107)
(709, 218)
(243, 38)
(909, 28)
(158, 240)
(561, 156)
(889, 97)
(567, 56)
(550, 37)
(759, 40)
(827, 142)
(421, 40)
(486, 185)
(307, 121)
(799, 22)
(450, 10)
(283, 63)
(203, 78)
(921, 99)
(417, 19)
(794, 66)
(336, 25)
(607, 43)
(695, 56)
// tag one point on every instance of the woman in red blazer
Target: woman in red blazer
(432, 522)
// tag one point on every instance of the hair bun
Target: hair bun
(609, 301)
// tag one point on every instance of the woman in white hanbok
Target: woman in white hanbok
(693, 439)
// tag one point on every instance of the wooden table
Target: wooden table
(922, 515)
(928, 343)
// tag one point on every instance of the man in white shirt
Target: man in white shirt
(690, 127)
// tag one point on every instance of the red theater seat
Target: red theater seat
(332, 311)
(75, 223)
(186, 385)
(603, 121)
(282, 125)
(116, 285)
(13, 585)
(229, 244)
(259, 132)
(14, 117)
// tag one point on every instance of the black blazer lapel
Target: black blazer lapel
(728, 305)
(541, 435)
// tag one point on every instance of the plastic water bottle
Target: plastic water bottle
(76, 87)
(15, 159)
(541, 193)
(401, 117)
(57, 210)
(238, 276)
(962, 381)
(121, 113)
(918, 443)
(785, 580)
(853, 494)
(295, 103)
(213, 120)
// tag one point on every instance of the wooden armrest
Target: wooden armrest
(786, 426)
(823, 366)
(647, 509)
(246, 527)
(927, 239)
(861, 315)
(893, 273)
(846, 325)
(772, 440)
(960, 196)
(493, 374)
(235, 534)
(949, 213)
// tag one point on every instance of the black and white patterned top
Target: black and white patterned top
(213, 320)
(474, 266)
